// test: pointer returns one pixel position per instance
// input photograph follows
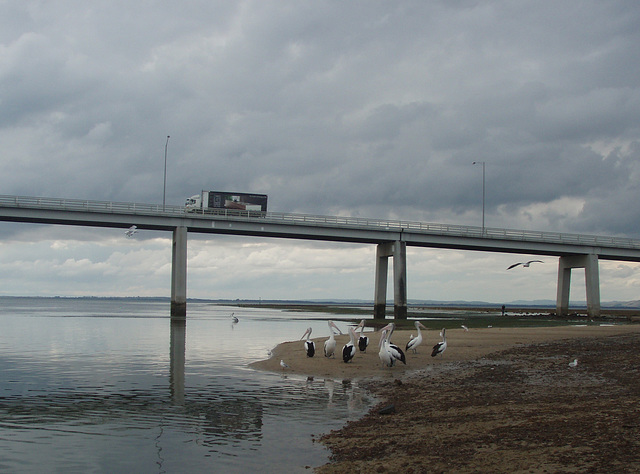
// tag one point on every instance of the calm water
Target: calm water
(114, 386)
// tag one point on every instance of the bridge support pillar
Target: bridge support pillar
(397, 250)
(179, 273)
(590, 264)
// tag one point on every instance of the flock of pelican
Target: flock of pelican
(388, 352)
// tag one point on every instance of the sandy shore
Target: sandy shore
(462, 346)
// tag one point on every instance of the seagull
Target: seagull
(131, 231)
(309, 346)
(414, 342)
(524, 264)
(283, 364)
(440, 347)
(574, 363)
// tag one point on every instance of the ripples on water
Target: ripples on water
(114, 386)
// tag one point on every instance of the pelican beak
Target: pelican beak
(305, 334)
(337, 328)
(422, 325)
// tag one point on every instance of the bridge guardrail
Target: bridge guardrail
(317, 220)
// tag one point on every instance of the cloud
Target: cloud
(370, 110)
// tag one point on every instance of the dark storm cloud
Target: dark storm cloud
(365, 108)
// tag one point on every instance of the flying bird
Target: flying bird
(131, 231)
(309, 346)
(330, 344)
(415, 341)
(440, 347)
(524, 264)
(363, 341)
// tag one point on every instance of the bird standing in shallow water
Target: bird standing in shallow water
(440, 347)
(309, 346)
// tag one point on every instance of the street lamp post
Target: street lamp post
(164, 189)
(483, 188)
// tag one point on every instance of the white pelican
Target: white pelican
(363, 341)
(283, 364)
(309, 346)
(524, 264)
(384, 353)
(131, 231)
(574, 363)
(415, 341)
(465, 328)
(330, 344)
(349, 349)
(396, 352)
(440, 347)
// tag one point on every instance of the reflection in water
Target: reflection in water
(75, 390)
(176, 363)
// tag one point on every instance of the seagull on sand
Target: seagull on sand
(283, 364)
(524, 264)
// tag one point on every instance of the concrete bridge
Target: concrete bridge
(391, 238)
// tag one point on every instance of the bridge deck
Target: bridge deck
(304, 226)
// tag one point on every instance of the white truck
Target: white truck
(214, 200)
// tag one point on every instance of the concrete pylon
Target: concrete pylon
(590, 264)
(179, 273)
(397, 250)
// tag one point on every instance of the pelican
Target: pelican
(131, 231)
(396, 352)
(574, 363)
(384, 353)
(309, 346)
(349, 349)
(283, 364)
(524, 264)
(440, 347)
(415, 341)
(465, 328)
(330, 344)
(234, 319)
(363, 341)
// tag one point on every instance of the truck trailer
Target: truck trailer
(213, 200)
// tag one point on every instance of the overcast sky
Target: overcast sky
(361, 108)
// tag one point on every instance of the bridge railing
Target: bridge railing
(317, 220)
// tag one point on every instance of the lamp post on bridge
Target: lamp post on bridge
(483, 189)
(164, 189)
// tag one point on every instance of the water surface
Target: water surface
(93, 385)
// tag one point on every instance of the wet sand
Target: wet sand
(501, 400)
(461, 346)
